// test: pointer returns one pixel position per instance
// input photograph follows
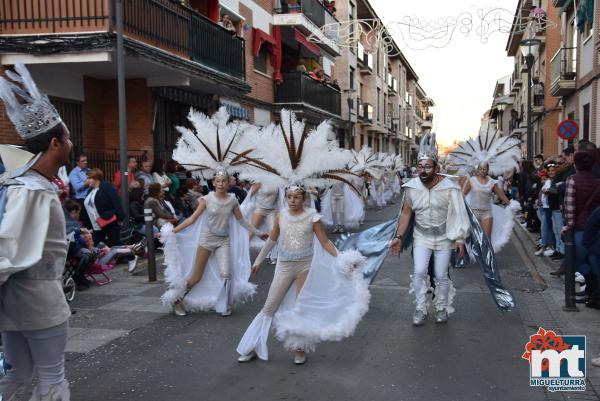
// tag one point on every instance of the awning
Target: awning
(259, 38)
(313, 48)
(236, 112)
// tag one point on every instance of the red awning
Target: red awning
(306, 43)
(261, 37)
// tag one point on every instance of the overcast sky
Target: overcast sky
(461, 76)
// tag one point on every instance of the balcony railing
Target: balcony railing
(165, 24)
(300, 88)
(312, 9)
(564, 71)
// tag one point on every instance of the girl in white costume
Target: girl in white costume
(342, 206)
(488, 154)
(265, 205)
(329, 296)
(207, 256)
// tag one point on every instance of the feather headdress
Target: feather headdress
(397, 163)
(501, 153)
(366, 161)
(292, 156)
(33, 114)
(214, 146)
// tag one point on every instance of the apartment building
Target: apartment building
(575, 67)
(544, 110)
(178, 55)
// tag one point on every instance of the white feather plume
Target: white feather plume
(212, 144)
(501, 153)
(295, 154)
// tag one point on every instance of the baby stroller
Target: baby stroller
(68, 282)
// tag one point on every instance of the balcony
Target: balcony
(163, 24)
(564, 72)
(365, 60)
(516, 82)
(311, 18)
(298, 88)
(538, 105)
(365, 112)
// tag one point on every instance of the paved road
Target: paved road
(476, 356)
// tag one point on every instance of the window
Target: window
(260, 62)
(351, 79)
(351, 19)
(586, 122)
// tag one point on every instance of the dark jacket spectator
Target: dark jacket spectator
(591, 233)
(136, 206)
(103, 203)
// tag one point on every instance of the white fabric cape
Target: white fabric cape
(209, 293)
(354, 209)
(376, 198)
(330, 305)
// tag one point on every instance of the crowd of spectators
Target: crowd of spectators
(560, 194)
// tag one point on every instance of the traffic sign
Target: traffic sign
(568, 129)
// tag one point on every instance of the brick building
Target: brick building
(178, 56)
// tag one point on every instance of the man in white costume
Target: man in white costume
(33, 248)
(441, 224)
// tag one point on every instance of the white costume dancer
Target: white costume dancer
(441, 224)
(342, 207)
(207, 256)
(488, 154)
(262, 203)
(329, 296)
(33, 246)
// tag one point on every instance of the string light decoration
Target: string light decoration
(420, 34)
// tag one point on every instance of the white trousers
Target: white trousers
(39, 351)
(421, 256)
(337, 206)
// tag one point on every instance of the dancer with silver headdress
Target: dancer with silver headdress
(441, 224)
(33, 245)
(207, 256)
(330, 296)
(488, 154)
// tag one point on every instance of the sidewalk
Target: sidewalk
(550, 314)
(104, 313)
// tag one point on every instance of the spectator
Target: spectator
(552, 195)
(545, 215)
(528, 189)
(136, 208)
(235, 189)
(587, 146)
(171, 168)
(193, 194)
(568, 168)
(77, 245)
(301, 67)
(78, 180)
(538, 162)
(131, 170)
(227, 24)
(145, 175)
(591, 242)
(582, 197)
(159, 176)
(180, 204)
(155, 201)
(104, 209)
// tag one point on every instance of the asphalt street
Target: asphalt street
(476, 356)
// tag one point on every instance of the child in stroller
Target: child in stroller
(85, 259)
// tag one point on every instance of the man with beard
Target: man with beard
(441, 224)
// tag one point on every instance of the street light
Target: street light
(529, 49)
(500, 107)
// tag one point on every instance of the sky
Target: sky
(461, 76)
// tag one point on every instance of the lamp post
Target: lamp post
(500, 107)
(529, 49)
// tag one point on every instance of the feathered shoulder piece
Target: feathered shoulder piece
(214, 146)
(291, 154)
(29, 109)
(501, 153)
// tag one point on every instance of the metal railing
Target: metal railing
(300, 88)
(107, 160)
(564, 64)
(165, 24)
